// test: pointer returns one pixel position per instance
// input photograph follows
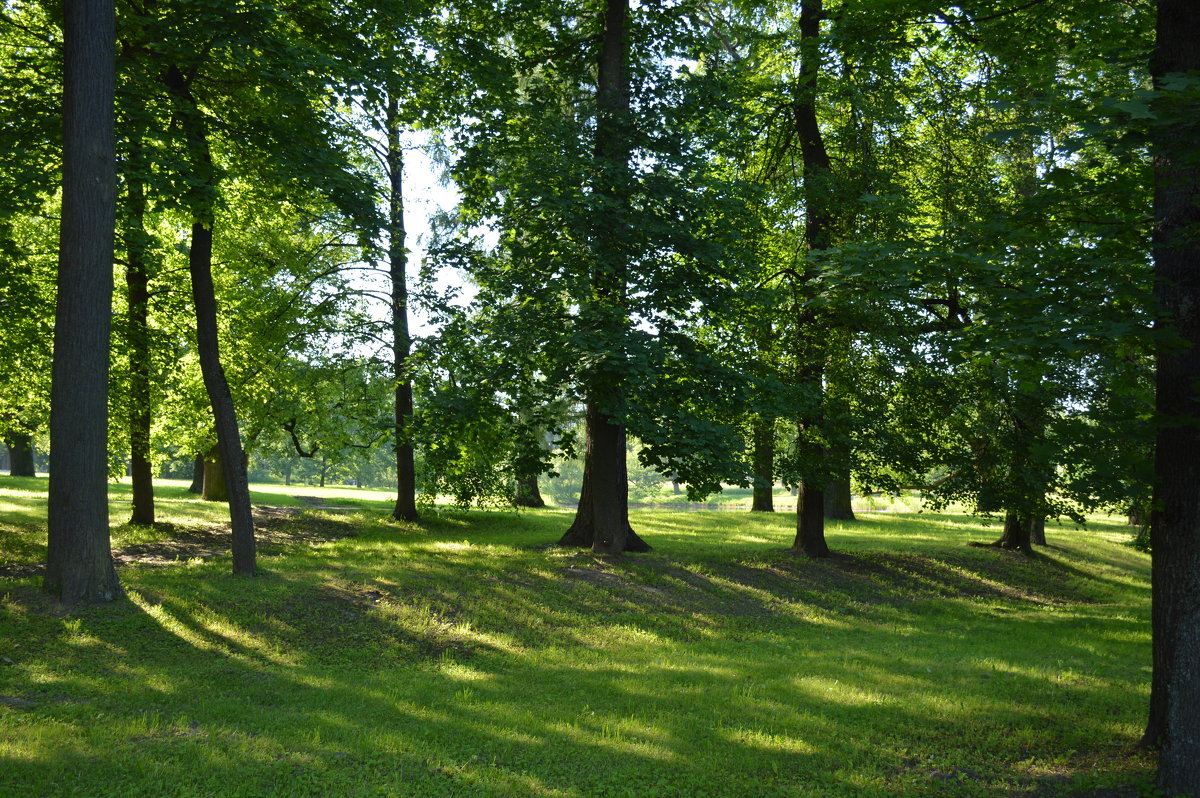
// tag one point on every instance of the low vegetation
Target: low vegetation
(465, 656)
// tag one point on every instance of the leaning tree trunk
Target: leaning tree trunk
(810, 505)
(137, 282)
(201, 200)
(406, 473)
(764, 465)
(79, 564)
(602, 519)
(20, 455)
(1174, 721)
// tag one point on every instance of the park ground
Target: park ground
(464, 655)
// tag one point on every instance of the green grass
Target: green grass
(463, 657)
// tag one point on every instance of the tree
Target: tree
(79, 565)
(1174, 722)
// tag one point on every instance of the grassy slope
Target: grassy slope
(462, 657)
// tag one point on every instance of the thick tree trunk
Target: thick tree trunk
(79, 564)
(20, 454)
(810, 522)
(838, 506)
(764, 465)
(528, 494)
(602, 519)
(137, 282)
(215, 489)
(197, 485)
(1037, 531)
(1017, 533)
(1174, 720)
(406, 473)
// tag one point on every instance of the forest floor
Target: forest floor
(464, 655)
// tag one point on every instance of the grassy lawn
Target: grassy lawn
(462, 656)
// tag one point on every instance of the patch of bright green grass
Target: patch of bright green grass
(461, 656)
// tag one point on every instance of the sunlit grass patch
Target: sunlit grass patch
(462, 655)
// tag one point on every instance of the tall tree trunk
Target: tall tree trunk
(764, 465)
(406, 473)
(602, 519)
(215, 487)
(1174, 720)
(197, 485)
(838, 504)
(818, 224)
(20, 454)
(202, 198)
(137, 282)
(79, 564)
(528, 494)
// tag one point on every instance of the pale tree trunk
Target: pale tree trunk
(79, 564)
(1174, 721)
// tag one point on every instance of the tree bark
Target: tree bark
(602, 519)
(838, 505)
(406, 474)
(197, 485)
(1017, 533)
(137, 283)
(215, 488)
(528, 494)
(1037, 531)
(79, 564)
(20, 454)
(1174, 720)
(818, 224)
(201, 199)
(764, 465)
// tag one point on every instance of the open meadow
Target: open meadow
(463, 655)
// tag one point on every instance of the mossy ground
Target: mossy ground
(464, 656)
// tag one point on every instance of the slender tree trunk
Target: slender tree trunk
(764, 465)
(197, 485)
(79, 564)
(406, 473)
(287, 474)
(1174, 720)
(838, 504)
(324, 470)
(137, 282)
(215, 488)
(602, 519)
(20, 454)
(201, 199)
(528, 494)
(810, 506)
